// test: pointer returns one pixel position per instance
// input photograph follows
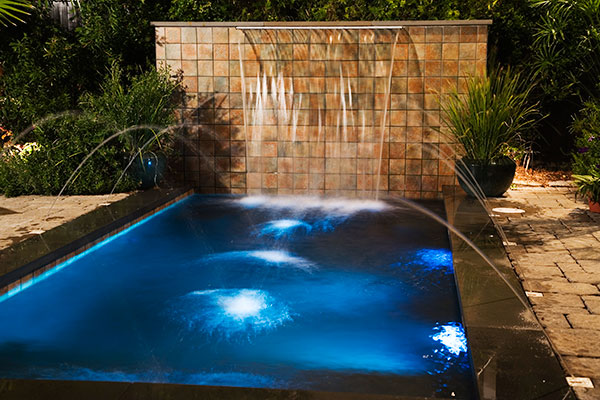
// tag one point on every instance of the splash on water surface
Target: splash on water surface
(308, 203)
(284, 227)
(228, 312)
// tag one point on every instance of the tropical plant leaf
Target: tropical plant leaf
(11, 10)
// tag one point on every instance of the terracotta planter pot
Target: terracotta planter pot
(594, 206)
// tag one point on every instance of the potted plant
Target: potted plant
(589, 187)
(486, 121)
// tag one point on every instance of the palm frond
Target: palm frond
(12, 10)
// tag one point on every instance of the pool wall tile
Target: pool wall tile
(347, 93)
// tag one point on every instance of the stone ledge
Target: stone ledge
(318, 24)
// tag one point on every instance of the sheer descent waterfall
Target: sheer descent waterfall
(342, 109)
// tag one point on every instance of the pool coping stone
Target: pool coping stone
(317, 24)
(512, 358)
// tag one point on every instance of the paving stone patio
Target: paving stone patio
(554, 247)
(24, 216)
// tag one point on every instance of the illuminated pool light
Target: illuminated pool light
(284, 227)
(227, 312)
(247, 303)
(435, 258)
(452, 336)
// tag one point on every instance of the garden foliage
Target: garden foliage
(45, 69)
(61, 144)
(586, 127)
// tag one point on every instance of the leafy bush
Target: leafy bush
(589, 185)
(43, 75)
(586, 126)
(119, 31)
(150, 99)
(566, 50)
(62, 145)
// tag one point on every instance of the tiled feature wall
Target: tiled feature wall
(248, 133)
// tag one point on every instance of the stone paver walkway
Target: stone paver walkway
(554, 247)
(25, 216)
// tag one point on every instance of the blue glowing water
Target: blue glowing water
(252, 293)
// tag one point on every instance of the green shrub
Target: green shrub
(62, 145)
(586, 127)
(42, 75)
(119, 31)
(566, 50)
(589, 185)
(149, 99)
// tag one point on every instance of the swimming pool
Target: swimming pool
(275, 292)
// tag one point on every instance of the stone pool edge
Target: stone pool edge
(511, 356)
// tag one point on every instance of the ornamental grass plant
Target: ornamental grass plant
(491, 116)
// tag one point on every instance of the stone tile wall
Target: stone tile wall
(248, 133)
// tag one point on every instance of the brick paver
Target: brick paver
(555, 249)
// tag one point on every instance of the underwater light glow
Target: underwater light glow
(304, 203)
(228, 312)
(434, 258)
(247, 303)
(283, 227)
(452, 336)
(286, 223)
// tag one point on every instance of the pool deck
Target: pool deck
(554, 247)
(26, 216)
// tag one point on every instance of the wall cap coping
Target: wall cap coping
(317, 24)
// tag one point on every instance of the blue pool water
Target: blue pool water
(292, 293)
